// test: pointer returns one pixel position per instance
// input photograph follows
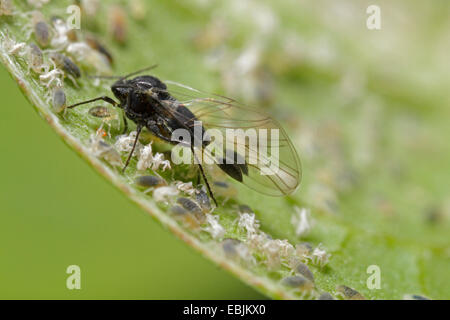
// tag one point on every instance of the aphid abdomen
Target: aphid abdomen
(185, 119)
(59, 100)
(235, 167)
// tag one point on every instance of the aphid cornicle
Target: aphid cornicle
(151, 104)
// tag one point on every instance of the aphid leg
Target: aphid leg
(125, 123)
(204, 177)
(74, 82)
(138, 132)
(104, 98)
(154, 129)
(207, 185)
(198, 178)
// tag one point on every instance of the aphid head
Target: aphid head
(121, 91)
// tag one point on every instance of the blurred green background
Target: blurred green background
(368, 111)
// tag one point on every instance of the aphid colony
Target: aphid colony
(54, 51)
(59, 52)
(192, 207)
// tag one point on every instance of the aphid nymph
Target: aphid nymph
(189, 205)
(65, 63)
(117, 20)
(149, 181)
(40, 28)
(59, 100)
(348, 293)
(298, 282)
(203, 200)
(325, 296)
(100, 112)
(229, 247)
(304, 271)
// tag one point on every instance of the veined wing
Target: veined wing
(252, 147)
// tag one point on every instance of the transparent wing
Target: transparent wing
(246, 143)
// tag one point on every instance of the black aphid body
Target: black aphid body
(141, 99)
(147, 101)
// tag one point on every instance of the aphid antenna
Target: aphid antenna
(103, 77)
(139, 71)
(125, 76)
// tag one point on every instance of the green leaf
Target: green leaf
(370, 139)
